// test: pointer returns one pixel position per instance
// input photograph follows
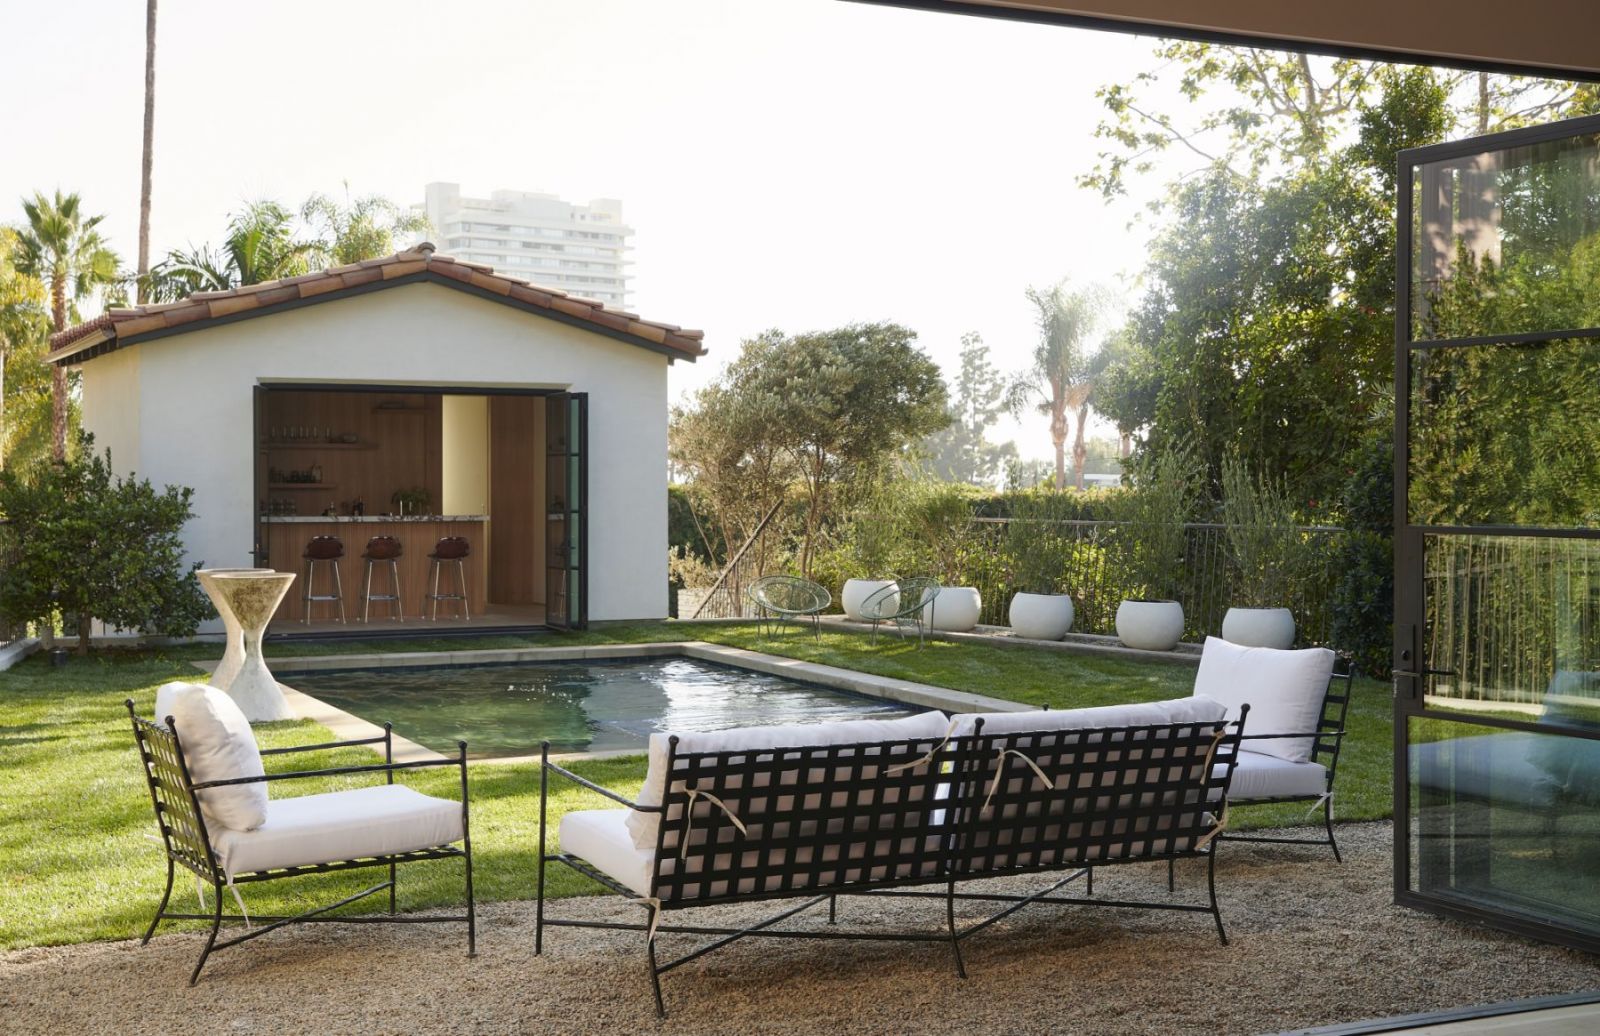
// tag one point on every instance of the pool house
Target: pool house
(414, 436)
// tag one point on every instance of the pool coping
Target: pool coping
(347, 726)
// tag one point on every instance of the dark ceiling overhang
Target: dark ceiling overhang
(1556, 38)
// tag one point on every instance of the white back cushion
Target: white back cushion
(645, 826)
(1284, 690)
(218, 745)
(1196, 709)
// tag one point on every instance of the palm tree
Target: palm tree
(64, 250)
(149, 140)
(1059, 381)
(361, 228)
(22, 344)
(260, 246)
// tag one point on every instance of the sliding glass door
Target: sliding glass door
(1497, 545)
(566, 510)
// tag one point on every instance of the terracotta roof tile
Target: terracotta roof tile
(121, 323)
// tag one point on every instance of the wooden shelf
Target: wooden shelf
(309, 445)
(302, 485)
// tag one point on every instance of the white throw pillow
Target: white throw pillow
(1284, 689)
(218, 745)
(644, 826)
(1197, 709)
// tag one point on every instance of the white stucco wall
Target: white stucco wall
(179, 410)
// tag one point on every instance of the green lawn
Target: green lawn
(78, 859)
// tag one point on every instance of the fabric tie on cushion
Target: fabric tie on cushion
(1327, 797)
(1000, 773)
(932, 752)
(1220, 826)
(688, 821)
(1211, 750)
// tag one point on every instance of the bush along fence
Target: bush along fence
(1084, 556)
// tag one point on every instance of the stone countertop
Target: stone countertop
(347, 519)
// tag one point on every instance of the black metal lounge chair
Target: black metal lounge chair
(382, 826)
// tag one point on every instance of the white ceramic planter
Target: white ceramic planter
(1259, 627)
(233, 652)
(856, 591)
(1150, 625)
(1041, 616)
(957, 608)
(253, 597)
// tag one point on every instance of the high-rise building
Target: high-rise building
(581, 249)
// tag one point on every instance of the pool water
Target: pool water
(588, 706)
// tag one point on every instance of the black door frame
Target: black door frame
(1409, 655)
(259, 392)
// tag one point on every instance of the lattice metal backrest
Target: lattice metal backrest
(1105, 794)
(790, 594)
(177, 809)
(815, 819)
(1335, 707)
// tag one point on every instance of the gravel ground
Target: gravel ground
(1313, 942)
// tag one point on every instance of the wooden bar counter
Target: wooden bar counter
(287, 538)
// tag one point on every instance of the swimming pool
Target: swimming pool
(588, 706)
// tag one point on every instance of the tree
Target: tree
(962, 452)
(1060, 378)
(360, 228)
(146, 160)
(24, 376)
(88, 544)
(63, 249)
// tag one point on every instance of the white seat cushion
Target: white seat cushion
(218, 745)
(601, 837)
(1501, 768)
(1196, 709)
(1284, 689)
(1257, 775)
(645, 826)
(340, 825)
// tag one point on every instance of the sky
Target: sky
(793, 164)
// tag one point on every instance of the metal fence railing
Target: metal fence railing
(1089, 571)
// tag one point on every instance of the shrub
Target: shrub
(87, 544)
(1151, 542)
(1363, 592)
(1264, 542)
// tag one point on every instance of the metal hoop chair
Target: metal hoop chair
(908, 604)
(779, 599)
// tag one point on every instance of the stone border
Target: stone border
(15, 651)
(347, 726)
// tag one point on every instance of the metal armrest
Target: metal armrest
(1319, 733)
(324, 745)
(334, 771)
(607, 792)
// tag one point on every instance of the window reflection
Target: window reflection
(1506, 242)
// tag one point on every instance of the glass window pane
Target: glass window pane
(1513, 627)
(1506, 242)
(1506, 820)
(1506, 435)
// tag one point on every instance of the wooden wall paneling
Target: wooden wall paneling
(515, 449)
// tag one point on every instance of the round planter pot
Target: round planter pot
(1150, 625)
(856, 591)
(956, 609)
(1259, 627)
(1041, 616)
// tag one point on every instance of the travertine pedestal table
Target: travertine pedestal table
(233, 652)
(253, 597)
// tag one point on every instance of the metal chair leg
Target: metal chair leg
(955, 937)
(398, 604)
(1211, 884)
(338, 589)
(435, 615)
(165, 896)
(216, 926)
(366, 595)
(461, 586)
(305, 592)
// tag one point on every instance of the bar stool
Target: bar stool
(382, 550)
(448, 549)
(322, 550)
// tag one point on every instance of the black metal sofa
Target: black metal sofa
(891, 817)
